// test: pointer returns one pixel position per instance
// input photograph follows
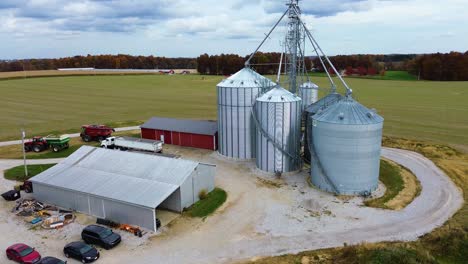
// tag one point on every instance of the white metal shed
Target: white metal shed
(125, 187)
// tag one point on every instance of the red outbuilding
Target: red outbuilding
(182, 132)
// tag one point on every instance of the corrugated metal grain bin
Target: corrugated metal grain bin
(345, 146)
(311, 110)
(236, 96)
(309, 94)
(278, 114)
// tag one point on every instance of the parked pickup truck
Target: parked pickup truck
(125, 143)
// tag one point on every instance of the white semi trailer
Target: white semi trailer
(125, 143)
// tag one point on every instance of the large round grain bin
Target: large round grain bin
(346, 143)
(311, 110)
(308, 92)
(278, 120)
(236, 96)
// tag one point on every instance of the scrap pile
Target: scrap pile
(35, 213)
(125, 227)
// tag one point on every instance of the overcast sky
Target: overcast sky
(188, 28)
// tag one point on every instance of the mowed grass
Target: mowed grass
(57, 104)
(18, 173)
(389, 75)
(391, 177)
(432, 111)
(208, 204)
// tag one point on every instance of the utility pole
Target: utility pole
(23, 135)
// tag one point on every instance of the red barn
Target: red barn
(182, 132)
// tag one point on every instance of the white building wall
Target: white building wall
(96, 206)
(172, 203)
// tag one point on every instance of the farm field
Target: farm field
(430, 111)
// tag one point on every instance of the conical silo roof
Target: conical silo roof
(347, 111)
(278, 95)
(323, 103)
(247, 78)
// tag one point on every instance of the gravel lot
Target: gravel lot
(263, 216)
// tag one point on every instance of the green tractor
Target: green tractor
(38, 144)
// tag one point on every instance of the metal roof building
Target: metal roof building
(182, 132)
(122, 186)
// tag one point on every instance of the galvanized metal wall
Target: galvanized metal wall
(311, 110)
(348, 154)
(235, 125)
(173, 202)
(202, 178)
(309, 94)
(281, 121)
(96, 206)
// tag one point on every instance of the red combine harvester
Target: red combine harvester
(95, 132)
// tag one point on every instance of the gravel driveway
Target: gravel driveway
(266, 220)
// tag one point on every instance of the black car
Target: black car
(51, 260)
(81, 251)
(99, 235)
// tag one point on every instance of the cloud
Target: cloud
(235, 26)
(321, 8)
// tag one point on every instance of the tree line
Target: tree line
(451, 66)
(226, 64)
(120, 61)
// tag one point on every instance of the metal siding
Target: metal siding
(203, 179)
(173, 202)
(167, 136)
(123, 213)
(187, 193)
(185, 139)
(311, 110)
(175, 138)
(308, 93)
(236, 96)
(96, 208)
(348, 153)
(278, 113)
(112, 210)
(148, 133)
(202, 141)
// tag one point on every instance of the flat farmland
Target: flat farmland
(431, 111)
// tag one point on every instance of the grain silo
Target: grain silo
(278, 120)
(308, 92)
(345, 144)
(236, 96)
(311, 110)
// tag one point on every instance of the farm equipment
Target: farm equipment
(95, 132)
(125, 143)
(38, 143)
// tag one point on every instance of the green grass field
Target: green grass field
(17, 173)
(432, 111)
(389, 75)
